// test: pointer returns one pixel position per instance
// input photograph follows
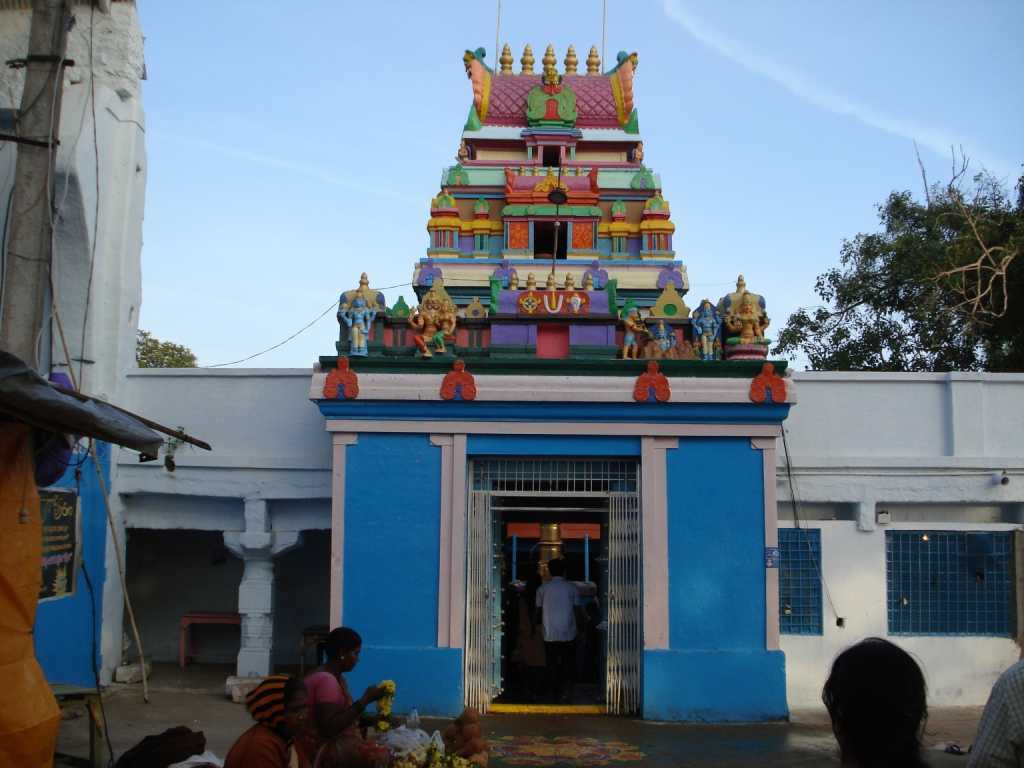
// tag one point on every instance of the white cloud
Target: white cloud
(353, 184)
(815, 93)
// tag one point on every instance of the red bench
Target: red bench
(185, 646)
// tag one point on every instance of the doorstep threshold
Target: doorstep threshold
(498, 708)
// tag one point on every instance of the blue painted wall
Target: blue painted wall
(716, 668)
(392, 530)
(66, 637)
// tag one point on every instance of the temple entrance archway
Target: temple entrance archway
(521, 513)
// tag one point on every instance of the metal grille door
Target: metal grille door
(482, 664)
(625, 604)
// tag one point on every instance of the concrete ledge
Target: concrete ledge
(237, 688)
(427, 679)
(715, 686)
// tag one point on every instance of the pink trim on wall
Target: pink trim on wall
(457, 593)
(451, 593)
(556, 428)
(444, 583)
(654, 509)
(338, 443)
(771, 539)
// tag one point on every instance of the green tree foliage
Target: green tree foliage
(939, 288)
(150, 352)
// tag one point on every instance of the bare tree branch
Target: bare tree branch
(976, 282)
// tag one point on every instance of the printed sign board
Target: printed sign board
(61, 551)
(771, 557)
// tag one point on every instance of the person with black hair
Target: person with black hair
(557, 599)
(334, 733)
(278, 705)
(876, 698)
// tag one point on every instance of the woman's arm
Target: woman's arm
(332, 717)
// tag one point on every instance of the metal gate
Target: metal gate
(615, 480)
(625, 605)
(483, 610)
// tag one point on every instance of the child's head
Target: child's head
(876, 697)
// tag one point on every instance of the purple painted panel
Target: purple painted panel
(598, 302)
(466, 243)
(507, 302)
(633, 247)
(591, 334)
(513, 334)
(428, 272)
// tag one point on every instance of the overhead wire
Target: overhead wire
(334, 303)
(840, 621)
(96, 177)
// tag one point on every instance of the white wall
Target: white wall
(858, 440)
(869, 440)
(960, 671)
(117, 172)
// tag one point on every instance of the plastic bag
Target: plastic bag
(196, 761)
(403, 740)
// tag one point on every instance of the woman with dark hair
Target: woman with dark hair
(876, 697)
(278, 705)
(333, 733)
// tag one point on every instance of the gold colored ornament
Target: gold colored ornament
(571, 61)
(506, 60)
(550, 60)
(593, 61)
(527, 61)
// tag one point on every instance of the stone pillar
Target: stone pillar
(257, 546)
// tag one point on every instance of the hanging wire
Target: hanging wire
(96, 207)
(796, 519)
(604, 27)
(497, 38)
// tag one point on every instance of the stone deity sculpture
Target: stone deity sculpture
(433, 320)
(747, 320)
(358, 317)
(706, 327)
(665, 339)
(634, 331)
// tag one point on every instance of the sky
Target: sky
(293, 146)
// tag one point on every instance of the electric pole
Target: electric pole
(29, 251)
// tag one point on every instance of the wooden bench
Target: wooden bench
(185, 645)
(99, 757)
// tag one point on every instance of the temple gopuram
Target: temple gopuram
(552, 394)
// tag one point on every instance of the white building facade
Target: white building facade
(884, 466)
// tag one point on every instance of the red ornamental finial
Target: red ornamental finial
(652, 385)
(459, 383)
(341, 383)
(768, 386)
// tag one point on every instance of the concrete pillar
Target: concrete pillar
(257, 546)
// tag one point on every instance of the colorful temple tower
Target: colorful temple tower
(553, 374)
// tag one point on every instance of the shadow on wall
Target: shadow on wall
(302, 593)
(172, 572)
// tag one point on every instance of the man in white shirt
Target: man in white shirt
(1000, 739)
(557, 600)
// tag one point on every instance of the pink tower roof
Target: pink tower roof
(594, 100)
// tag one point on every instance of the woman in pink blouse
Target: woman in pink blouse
(334, 734)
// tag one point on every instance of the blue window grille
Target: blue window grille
(800, 581)
(950, 583)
